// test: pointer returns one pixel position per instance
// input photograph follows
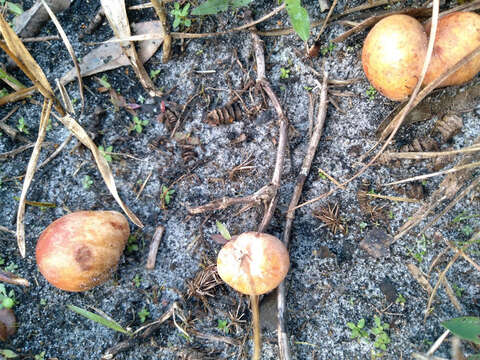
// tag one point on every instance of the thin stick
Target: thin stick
(393, 198)
(5, 229)
(430, 154)
(11, 278)
(452, 203)
(153, 250)
(284, 350)
(438, 342)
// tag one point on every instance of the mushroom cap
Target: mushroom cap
(253, 263)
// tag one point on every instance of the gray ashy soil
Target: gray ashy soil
(332, 281)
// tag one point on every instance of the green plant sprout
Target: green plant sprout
(11, 267)
(458, 290)
(181, 15)
(105, 152)
(284, 73)
(40, 356)
(166, 196)
(132, 244)
(87, 182)
(327, 50)
(138, 124)
(222, 325)
(358, 331)
(371, 92)
(400, 299)
(21, 126)
(223, 230)
(7, 300)
(137, 280)
(381, 337)
(3, 92)
(143, 315)
(321, 175)
(154, 73)
(104, 82)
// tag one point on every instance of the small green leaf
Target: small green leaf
(184, 11)
(15, 9)
(240, 3)
(299, 18)
(465, 327)
(99, 319)
(8, 354)
(210, 7)
(176, 22)
(223, 230)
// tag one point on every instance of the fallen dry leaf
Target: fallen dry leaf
(110, 56)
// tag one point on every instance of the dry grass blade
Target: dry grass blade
(452, 203)
(11, 278)
(69, 47)
(32, 164)
(116, 14)
(442, 275)
(443, 172)
(23, 59)
(430, 154)
(420, 277)
(17, 95)
(102, 164)
(451, 295)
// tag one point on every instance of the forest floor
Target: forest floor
(332, 281)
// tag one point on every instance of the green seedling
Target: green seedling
(102, 320)
(467, 230)
(154, 73)
(284, 73)
(400, 299)
(11, 267)
(106, 152)
(222, 325)
(308, 88)
(381, 337)
(371, 92)
(21, 126)
(87, 182)
(321, 175)
(138, 124)
(327, 50)
(358, 330)
(362, 225)
(166, 196)
(143, 315)
(458, 290)
(3, 92)
(40, 356)
(104, 82)
(132, 244)
(223, 230)
(7, 300)
(181, 15)
(43, 302)
(137, 280)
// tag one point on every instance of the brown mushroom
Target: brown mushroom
(253, 264)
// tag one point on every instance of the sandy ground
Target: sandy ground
(332, 280)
